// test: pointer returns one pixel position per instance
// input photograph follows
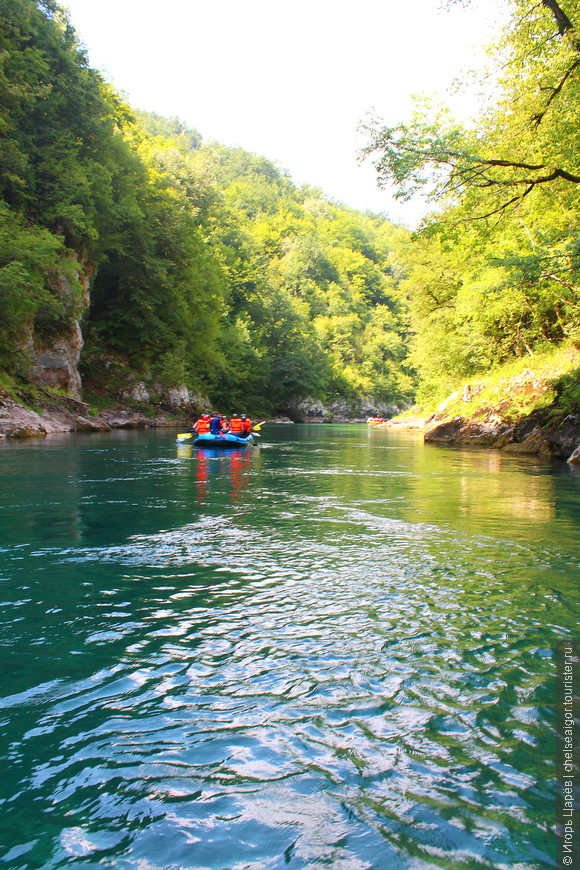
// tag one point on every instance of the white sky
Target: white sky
(290, 81)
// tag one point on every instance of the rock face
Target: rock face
(565, 440)
(175, 399)
(136, 392)
(56, 367)
(461, 431)
(53, 363)
(181, 399)
(311, 410)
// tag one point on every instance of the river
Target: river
(334, 650)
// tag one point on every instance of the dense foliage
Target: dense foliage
(208, 266)
(495, 271)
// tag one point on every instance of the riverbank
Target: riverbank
(50, 414)
(530, 410)
(33, 411)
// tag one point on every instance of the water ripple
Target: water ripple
(335, 688)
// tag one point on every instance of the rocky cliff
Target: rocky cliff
(51, 361)
(53, 401)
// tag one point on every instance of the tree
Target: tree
(494, 272)
(529, 141)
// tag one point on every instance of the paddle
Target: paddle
(258, 426)
(184, 435)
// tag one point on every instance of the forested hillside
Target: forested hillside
(143, 257)
(184, 262)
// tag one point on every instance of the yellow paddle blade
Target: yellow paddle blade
(184, 435)
(258, 426)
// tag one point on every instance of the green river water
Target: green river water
(334, 650)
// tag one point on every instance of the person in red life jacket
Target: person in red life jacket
(236, 426)
(225, 424)
(246, 426)
(201, 426)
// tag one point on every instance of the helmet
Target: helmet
(243, 417)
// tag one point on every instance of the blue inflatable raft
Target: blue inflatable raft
(213, 442)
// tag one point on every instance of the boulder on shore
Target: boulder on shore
(462, 431)
(565, 440)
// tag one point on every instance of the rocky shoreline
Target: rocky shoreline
(531, 436)
(57, 413)
(532, 412)
(309, 410)
(60, 414)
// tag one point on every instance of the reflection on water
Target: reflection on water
(332, 650)
(230, 466)
(492, 489)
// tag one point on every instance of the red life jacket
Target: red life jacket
(202, 425)
(236, 427)
(247, 426)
